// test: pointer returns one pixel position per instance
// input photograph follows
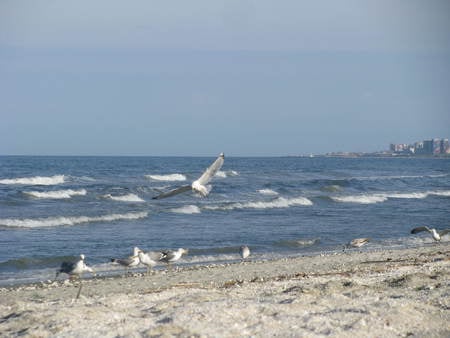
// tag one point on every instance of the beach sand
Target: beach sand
(392, 293)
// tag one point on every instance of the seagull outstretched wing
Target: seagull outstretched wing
(212, 170)
(173, 192)
(200, 184)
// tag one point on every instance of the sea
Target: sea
(52, 209)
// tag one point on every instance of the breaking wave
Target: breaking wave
(169, 177)
(125, 198)
(279, 202)
(224, 174)
(36, 180)
(187, 209)
(57, 194)
(61, 221)
(379, 198)
(269, 192)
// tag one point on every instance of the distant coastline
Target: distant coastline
(381, 154)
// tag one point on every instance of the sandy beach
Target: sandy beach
(394, 293)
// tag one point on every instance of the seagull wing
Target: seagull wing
(173, 192)
(166, 256)
(67, 267)
(419, 229)
(154, 255)
(444, 232)
(212, 170)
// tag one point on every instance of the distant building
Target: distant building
(434, 146)
(428, 147)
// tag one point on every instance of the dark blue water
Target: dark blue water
(54, 208)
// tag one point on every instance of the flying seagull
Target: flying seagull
(129, 262)
(356, 243)
(437, 235)
(74, 269)
(244, 251)
(200, 185)
(172, 256)
(150, 258)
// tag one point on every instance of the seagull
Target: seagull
(129, 262)
(74, 269)
(172, 256)
(437, 235)
(356, 243)
(244, 251)
(149, 259)
(200, 185)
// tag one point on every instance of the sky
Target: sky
(244, 77)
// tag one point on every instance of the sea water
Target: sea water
(55, 208)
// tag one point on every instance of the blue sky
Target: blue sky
(196, 78)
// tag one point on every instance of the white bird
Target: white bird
(437, 235)
(169, 257)
(244, 251)
(200, 185)
(149, 259)
(129, 262)
(356, 243)
(74, 269)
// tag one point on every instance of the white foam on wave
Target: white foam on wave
(187, 209)
(279, 202)
(169, 177)
(269, 192)
(382, 197)
(125, 198)
(224, 174)
(441, 193)
(61, 221)
(360, 199)
(57, 194)
(36, 180)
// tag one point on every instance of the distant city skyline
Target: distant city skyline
(197, 78)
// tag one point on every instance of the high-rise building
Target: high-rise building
(428, 147)
(445, 147)
(436, 146)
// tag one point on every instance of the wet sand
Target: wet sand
(393, 293)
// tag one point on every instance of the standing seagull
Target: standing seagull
(129, 262)
(74, 269)
(172, 256)
(149, 259)
(356, 243)
(437, 235)
(201, 185)
(244, 251)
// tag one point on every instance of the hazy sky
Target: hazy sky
(244, 77)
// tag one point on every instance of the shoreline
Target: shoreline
(399, 292)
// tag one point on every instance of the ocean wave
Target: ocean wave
(269, 192)
(125, 198)
(57, 194)
(187, 209)
(396, 177)
(298, 242)
(224, 174)
(64, 221)
(169, 177)
(34, 262)
(36, 180)
(382, 197)
(279, 202)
